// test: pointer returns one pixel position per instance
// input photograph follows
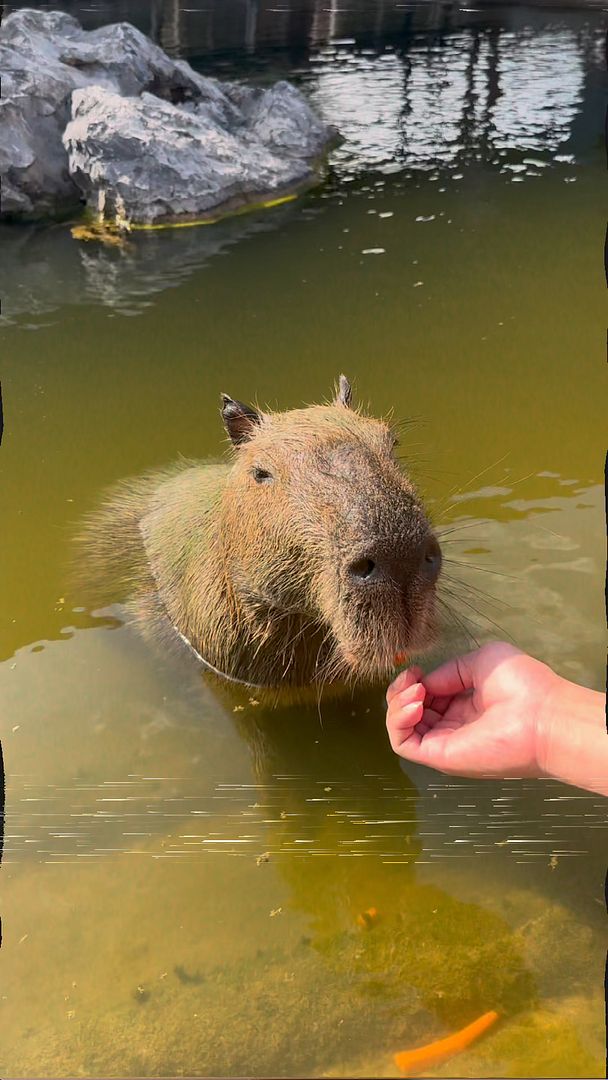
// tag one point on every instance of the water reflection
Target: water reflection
(413, 100)
(44, 267)
(166, 25)
(541, 81)
(474, 95)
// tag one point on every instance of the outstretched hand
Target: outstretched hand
(477, 715)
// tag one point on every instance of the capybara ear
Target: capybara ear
(239, 420)
(344, 395)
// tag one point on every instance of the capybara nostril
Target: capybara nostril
(431, 560)
(363, 570)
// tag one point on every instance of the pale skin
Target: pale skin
(497, 712)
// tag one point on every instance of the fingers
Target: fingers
(419, 732)
(453, 677)
(432, 719)
(453, 748)
(449, 749)
(404, 680)
(425, 713)
(430, 745)
(469, 672)
(439, 704)
(404, 713)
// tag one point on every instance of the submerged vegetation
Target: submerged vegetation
(204, 886)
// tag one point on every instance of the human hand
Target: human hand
(482, 714)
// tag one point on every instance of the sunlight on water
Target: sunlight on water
(472, 95)
(543, 81)
(188, 878)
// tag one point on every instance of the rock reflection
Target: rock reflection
(42, 268)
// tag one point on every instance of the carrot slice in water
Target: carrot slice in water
(412, 1062)
(368, 919)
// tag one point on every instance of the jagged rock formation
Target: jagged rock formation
(106, 117)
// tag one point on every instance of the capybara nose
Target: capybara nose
(396, 568)
(431, 560)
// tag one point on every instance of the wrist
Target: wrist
(549, 724)
(571, 738)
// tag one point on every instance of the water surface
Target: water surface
(450, 264)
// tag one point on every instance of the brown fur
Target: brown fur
(254, 573)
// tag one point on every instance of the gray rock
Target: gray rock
(207, 144)
(118, 55)
(283, 121)
(157, 161)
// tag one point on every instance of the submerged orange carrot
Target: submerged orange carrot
(400, 658)
(368, 918)
(412, 1062)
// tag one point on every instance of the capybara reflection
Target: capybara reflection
(305, 561)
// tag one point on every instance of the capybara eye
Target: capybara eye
(262, 476)
(362, 568)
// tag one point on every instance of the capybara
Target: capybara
(305, 561)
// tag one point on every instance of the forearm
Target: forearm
(572, 737)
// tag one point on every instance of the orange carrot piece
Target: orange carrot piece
(411, 1062)
(400, 658)
(368, 918)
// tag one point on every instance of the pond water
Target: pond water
(450, 264)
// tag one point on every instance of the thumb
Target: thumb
(453, 677)
(467, 672)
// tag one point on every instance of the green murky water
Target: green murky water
(451, 266)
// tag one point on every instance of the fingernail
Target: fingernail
(410, 708)
(416, 692)
(398, 682)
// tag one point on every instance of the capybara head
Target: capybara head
(319, 520)
(305, 560)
